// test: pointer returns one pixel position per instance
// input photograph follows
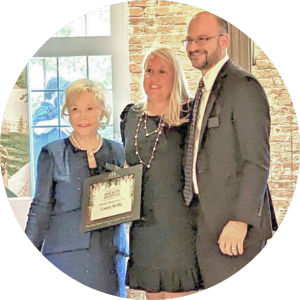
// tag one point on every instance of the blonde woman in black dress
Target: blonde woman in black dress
(162, 244)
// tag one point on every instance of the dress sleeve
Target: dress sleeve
(123, 117)
(42, 204)
(120, 152)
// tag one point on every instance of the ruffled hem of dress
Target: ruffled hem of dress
(171, 280)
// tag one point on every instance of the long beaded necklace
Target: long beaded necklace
(145, 123)
(158, 130)
(89, 153)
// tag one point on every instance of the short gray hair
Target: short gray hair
(223, 24)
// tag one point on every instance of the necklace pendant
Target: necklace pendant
(147, 134)
(91, 154)
(148, 166)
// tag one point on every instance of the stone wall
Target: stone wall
(155, 23)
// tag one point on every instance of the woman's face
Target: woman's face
(84, 114)
(158, 79)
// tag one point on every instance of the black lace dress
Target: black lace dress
(162, 243)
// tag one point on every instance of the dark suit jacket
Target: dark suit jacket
(233, 160)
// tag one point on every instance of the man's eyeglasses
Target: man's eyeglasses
(200, 40)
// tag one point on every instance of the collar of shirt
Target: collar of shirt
(210, 77)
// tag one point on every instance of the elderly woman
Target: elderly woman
(162, 244)
(54, 216)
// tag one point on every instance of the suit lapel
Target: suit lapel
(215, 92)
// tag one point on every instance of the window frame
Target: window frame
(241, 48)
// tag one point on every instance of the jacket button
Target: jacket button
(112, 271)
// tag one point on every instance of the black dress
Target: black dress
(162, 243)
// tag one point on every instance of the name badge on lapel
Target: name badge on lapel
(213, 122)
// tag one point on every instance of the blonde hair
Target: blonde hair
(101, 98)
(179, 94)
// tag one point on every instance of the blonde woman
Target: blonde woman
(54, 216)
(162, 244)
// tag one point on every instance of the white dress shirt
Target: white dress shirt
(209, 80)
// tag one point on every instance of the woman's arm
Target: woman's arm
(42, 204)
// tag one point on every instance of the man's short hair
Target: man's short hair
(223, 24)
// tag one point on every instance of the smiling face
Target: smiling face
(84, 114)
(204, 57)
(158, 79)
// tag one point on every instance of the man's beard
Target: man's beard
(210, 60)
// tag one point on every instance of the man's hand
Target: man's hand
(231, 241)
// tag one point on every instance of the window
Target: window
(96, 23)
(241, 48)
(94, 46)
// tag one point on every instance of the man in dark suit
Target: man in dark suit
(227, 155)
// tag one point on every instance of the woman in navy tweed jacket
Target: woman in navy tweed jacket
(54, 217)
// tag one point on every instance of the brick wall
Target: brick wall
(155, 23)
(284, 139)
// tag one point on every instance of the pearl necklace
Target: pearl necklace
(145, 124)
(159, 131)
(89, 153)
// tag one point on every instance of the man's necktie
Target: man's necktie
(188, 170)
